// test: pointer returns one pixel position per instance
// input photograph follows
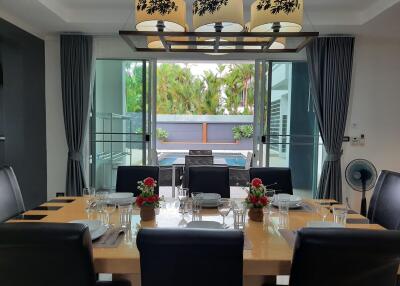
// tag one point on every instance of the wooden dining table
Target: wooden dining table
(268, 252)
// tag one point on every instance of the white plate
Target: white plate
(96, 228)
(120, 195)
(204, 224)
(294, 201)
(324, 224)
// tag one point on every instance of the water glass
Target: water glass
(109, 210)
(125, 215)
(239, 216)
(340, 215)
(283, 204)
(101, 201)
(323, 211)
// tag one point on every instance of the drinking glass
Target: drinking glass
(283, 203)
(196, 202)
(89, 195)
(239, 215)
(270, 194)
(322, 211)
(182, 197)
(224, 209)
(101, 201)
(125, 215)
(109, 210)
(340, 215)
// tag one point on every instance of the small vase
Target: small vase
(256, 214)
(147, 213)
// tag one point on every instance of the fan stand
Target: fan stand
(364, 177)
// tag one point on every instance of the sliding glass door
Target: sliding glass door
(285, 122)
(120, 121)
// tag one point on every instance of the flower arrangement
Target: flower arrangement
(147, 196)
(256, 197)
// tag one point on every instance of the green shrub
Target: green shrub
(242, 131)
(161, 134)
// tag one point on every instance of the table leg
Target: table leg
(173, 180)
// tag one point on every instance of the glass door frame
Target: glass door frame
(262, 119)
(148, 106)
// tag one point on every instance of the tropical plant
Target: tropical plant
(133, 86)
(242, 132)
(161, 134)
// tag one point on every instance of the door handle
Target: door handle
(2, 138)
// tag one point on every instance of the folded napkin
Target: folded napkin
(110, 239)
(357, 221)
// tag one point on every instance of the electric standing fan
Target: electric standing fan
(361, 176)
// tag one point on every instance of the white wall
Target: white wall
(57, 150)
(375, 107)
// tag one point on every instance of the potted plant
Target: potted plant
(147, 201)
(162, 134)
(242, 133)
(256, 200)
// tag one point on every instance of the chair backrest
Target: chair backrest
(200, 152)
(384, 208)
(279, 178)
(128, 176)
(346, 257)
(46, 254)
(11, 202)
(195, 160)
(209, 179)
(196, 257)
(199, 160)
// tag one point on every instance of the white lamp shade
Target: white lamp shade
(263, 20)
(230, 15)
(174, 21)
(278, 44)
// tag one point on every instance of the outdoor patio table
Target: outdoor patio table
(269, 253)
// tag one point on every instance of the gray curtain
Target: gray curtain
(76, 69)
(330, 62)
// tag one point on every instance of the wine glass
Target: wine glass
(89, 196)
(224, 207)
(182, 197)
(270, 194)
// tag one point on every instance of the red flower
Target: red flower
(139, 201)
(264, 201)
(149, 181)
(256, 182)
(253, 199)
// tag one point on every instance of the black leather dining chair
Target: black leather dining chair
(11, 202)
(279, 179)
(128, 177)
(345, 257)
(195, 160)
(195, 257)
(209, 179)
(384, 208)
(47, 254)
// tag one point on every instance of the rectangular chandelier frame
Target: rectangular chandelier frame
(190, 41)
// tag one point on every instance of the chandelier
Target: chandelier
(218, 27)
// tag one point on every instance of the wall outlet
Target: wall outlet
(357, 140)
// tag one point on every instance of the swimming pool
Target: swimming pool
(233, 160)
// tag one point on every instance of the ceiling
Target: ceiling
(46, 17)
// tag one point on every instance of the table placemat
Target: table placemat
(29, 217)
(110, 239)
(289, 236)
(47, 208)
(61, 201)
(357, 221)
